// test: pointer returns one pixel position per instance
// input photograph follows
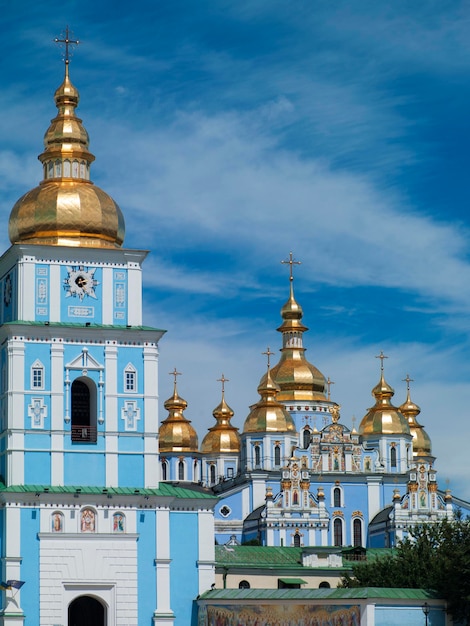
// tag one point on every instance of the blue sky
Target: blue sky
(231, 132)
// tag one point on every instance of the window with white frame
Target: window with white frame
(130, 379)
(37, 375)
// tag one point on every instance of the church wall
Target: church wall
(184, 548)
(29, 553)
(146, 552)
(131, 470)
(85, 469)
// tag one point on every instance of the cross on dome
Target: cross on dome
(67, 43)
(290, 261)
(174, 373)
(408, 380)
(268, 353)
(223, 380)
(381, 356)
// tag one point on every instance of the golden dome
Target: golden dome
(223, 437)
(421, 440)
(176, 433)
(268, 415)
(297, 379)
(66, 208)
(383, 418)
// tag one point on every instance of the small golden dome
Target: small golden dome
(421, 440)
(223, 437)
(297, 379)
(66, 208)
(268, 415)
(176, 433)
(383, 418)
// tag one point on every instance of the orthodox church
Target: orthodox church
(296, 475)
(88, 532)
(110, 516)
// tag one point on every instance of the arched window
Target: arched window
(257, 455)
(164, 470)
(324, 585)
(338, 532)
(296, 540)
(244, 584)
(212, 474)
(277, 455)
(181, 470)
(357, 532)
(337, 497)
(195, 471)
(393, 456)
(306, 437)
(83, 404)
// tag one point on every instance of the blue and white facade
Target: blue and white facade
(84, 522)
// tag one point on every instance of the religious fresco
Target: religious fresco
(280, 615)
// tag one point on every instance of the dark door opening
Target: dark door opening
(86, 611)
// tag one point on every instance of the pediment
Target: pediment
(84, 361)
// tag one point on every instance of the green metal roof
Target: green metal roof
(293, 581)
(361, 593)
(81, 325)
(165, 489)
(258, 556)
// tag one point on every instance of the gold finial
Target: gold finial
(174, 373)
(329, 383)
(223, 380)
(408, 380)
(269, 354)
(67, 43)
(381, 356)
(290, 261)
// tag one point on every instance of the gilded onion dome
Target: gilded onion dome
(66, 208)
(421, 440)
(383, 418)
(268, 415)
(176, 433)
(297, 379)
(223, 437)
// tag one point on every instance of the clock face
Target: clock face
(80, 282)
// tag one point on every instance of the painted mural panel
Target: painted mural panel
(280, 615)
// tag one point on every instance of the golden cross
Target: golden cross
(67, 42)
(269, 354)
(223, 380)
(290, 261)
(408, 380)
(329, 383)
(175, 373)
(381, 356)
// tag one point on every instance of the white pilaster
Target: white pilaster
(134, 303)
(373, 496)
(57, 413)
(151, 416)
(163, 614)
(54, 292)
(206, 550)
(108, 296)
(11, 566)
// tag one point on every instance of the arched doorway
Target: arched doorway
(86, 611)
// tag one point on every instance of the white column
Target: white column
(151, 416)
(111, 415)
(134, 299)
(16, 412)
(259, 490)
(206, 550)
(57, 413)
(368, 614)
(108, 296)
(26, 287)
(373, 497)
(12, 613)
(55, 291)
(163, 614)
